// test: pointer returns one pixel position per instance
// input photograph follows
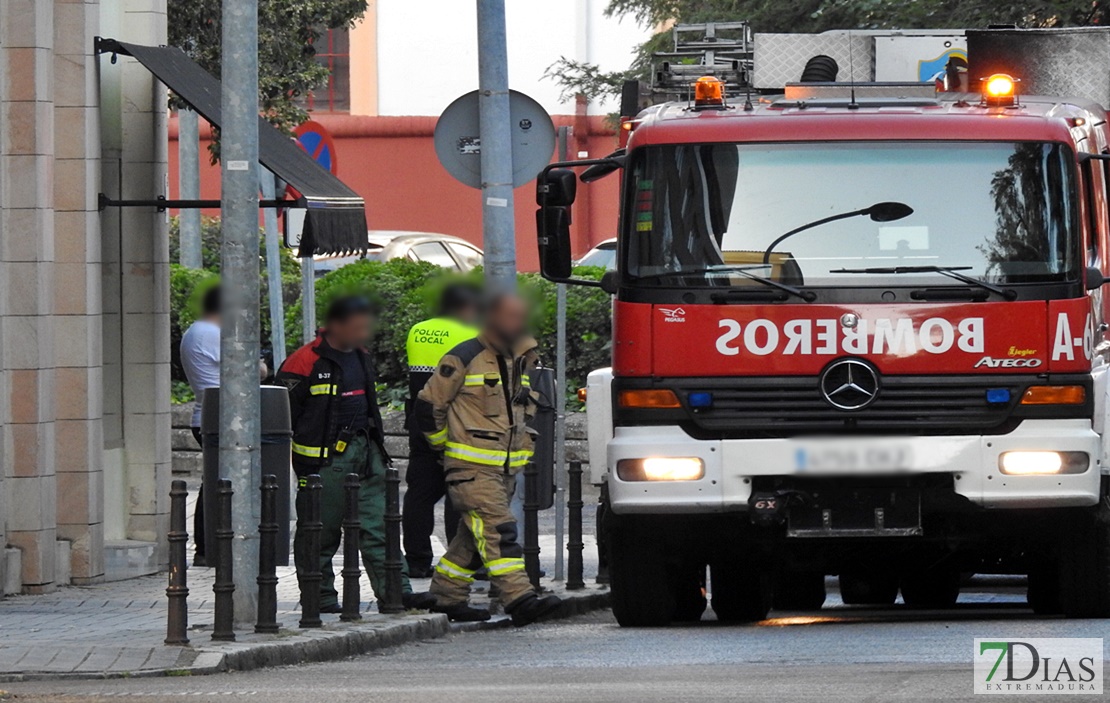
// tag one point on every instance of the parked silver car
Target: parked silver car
(603, 255)
(439, 249)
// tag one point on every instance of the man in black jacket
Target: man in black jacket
(337, 430)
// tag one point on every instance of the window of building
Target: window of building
(333, 49)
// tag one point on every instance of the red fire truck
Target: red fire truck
(858, 331)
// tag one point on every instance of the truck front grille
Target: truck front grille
(782, 406)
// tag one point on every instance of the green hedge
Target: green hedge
(407, 292)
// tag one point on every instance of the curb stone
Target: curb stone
(297, 647)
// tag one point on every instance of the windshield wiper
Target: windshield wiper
(950, 271)
(745, 271)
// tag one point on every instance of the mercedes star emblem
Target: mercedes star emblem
(850, 384)
(849, 320)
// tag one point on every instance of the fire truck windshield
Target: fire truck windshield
(1000, 212)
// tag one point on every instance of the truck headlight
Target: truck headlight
(1028, 463)
(661, 469)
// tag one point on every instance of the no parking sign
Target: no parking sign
(315, 139)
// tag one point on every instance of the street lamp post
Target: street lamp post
(240, 425)
(498, 238)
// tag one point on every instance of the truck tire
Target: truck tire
(741, 591)
(868, 589)
(1043, 595)
(1085, 565)
(931, 589)
(799, 590)
(688, 589)
(640, 593)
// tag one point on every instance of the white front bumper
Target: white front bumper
(971, 460)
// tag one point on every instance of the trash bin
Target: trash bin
(277, 435)
(543, 384)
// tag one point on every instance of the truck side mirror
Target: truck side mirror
(1094, 277)
(557, 188)
(553, 226)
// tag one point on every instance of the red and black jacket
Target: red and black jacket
(313, 376)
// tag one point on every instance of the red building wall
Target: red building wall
(391, 162)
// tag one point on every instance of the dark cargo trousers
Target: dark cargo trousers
(364, 458)
(487, 537)
(426, 486)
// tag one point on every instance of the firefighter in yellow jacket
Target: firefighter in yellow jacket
(476, 409)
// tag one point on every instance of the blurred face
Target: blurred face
(508, 319)
(467, 316)
(353, 332)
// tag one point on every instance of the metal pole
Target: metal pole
(391, 603)
(308, 573)
(177, 593)
(240, 438)
(560, 398)
(188, 164)
(224, 585)
(351, 535)
(575, 545)
(267, 558)
(531, 524)
(308, 299)
(273, 268)
(494, 128)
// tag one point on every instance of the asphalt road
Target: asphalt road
(838, 654)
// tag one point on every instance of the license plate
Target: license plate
(850, 457)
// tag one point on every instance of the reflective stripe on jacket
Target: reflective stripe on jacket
(477, 405)
(313, 376)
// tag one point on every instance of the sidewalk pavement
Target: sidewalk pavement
(117, 629)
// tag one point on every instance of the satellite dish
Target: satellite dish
(459, 146)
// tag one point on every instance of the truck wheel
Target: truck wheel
(688, 589)
(741, 592)
(1044, 591)
(1085, 565)
(934, 588)
(799, 590)
(639, 597)
(868, 589)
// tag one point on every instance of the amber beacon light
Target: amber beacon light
(1000, 90)
(709, 91)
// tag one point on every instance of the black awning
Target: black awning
(335, 218)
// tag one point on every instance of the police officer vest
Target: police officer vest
(429, 340)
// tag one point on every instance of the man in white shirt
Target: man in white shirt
(200, 358)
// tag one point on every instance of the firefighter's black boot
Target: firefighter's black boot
(532, 608)
(418, 601)
(462, 612)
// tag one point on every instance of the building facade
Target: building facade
(84, 323)
(398, 68)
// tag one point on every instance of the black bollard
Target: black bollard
(177, 593)
(267, 558)
(309, 580)
(391, 603)
(224, 587)
(574, 529)
(352, 533)
(532, 524)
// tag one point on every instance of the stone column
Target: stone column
(135, 249)
(77, 289)
(27, 281)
